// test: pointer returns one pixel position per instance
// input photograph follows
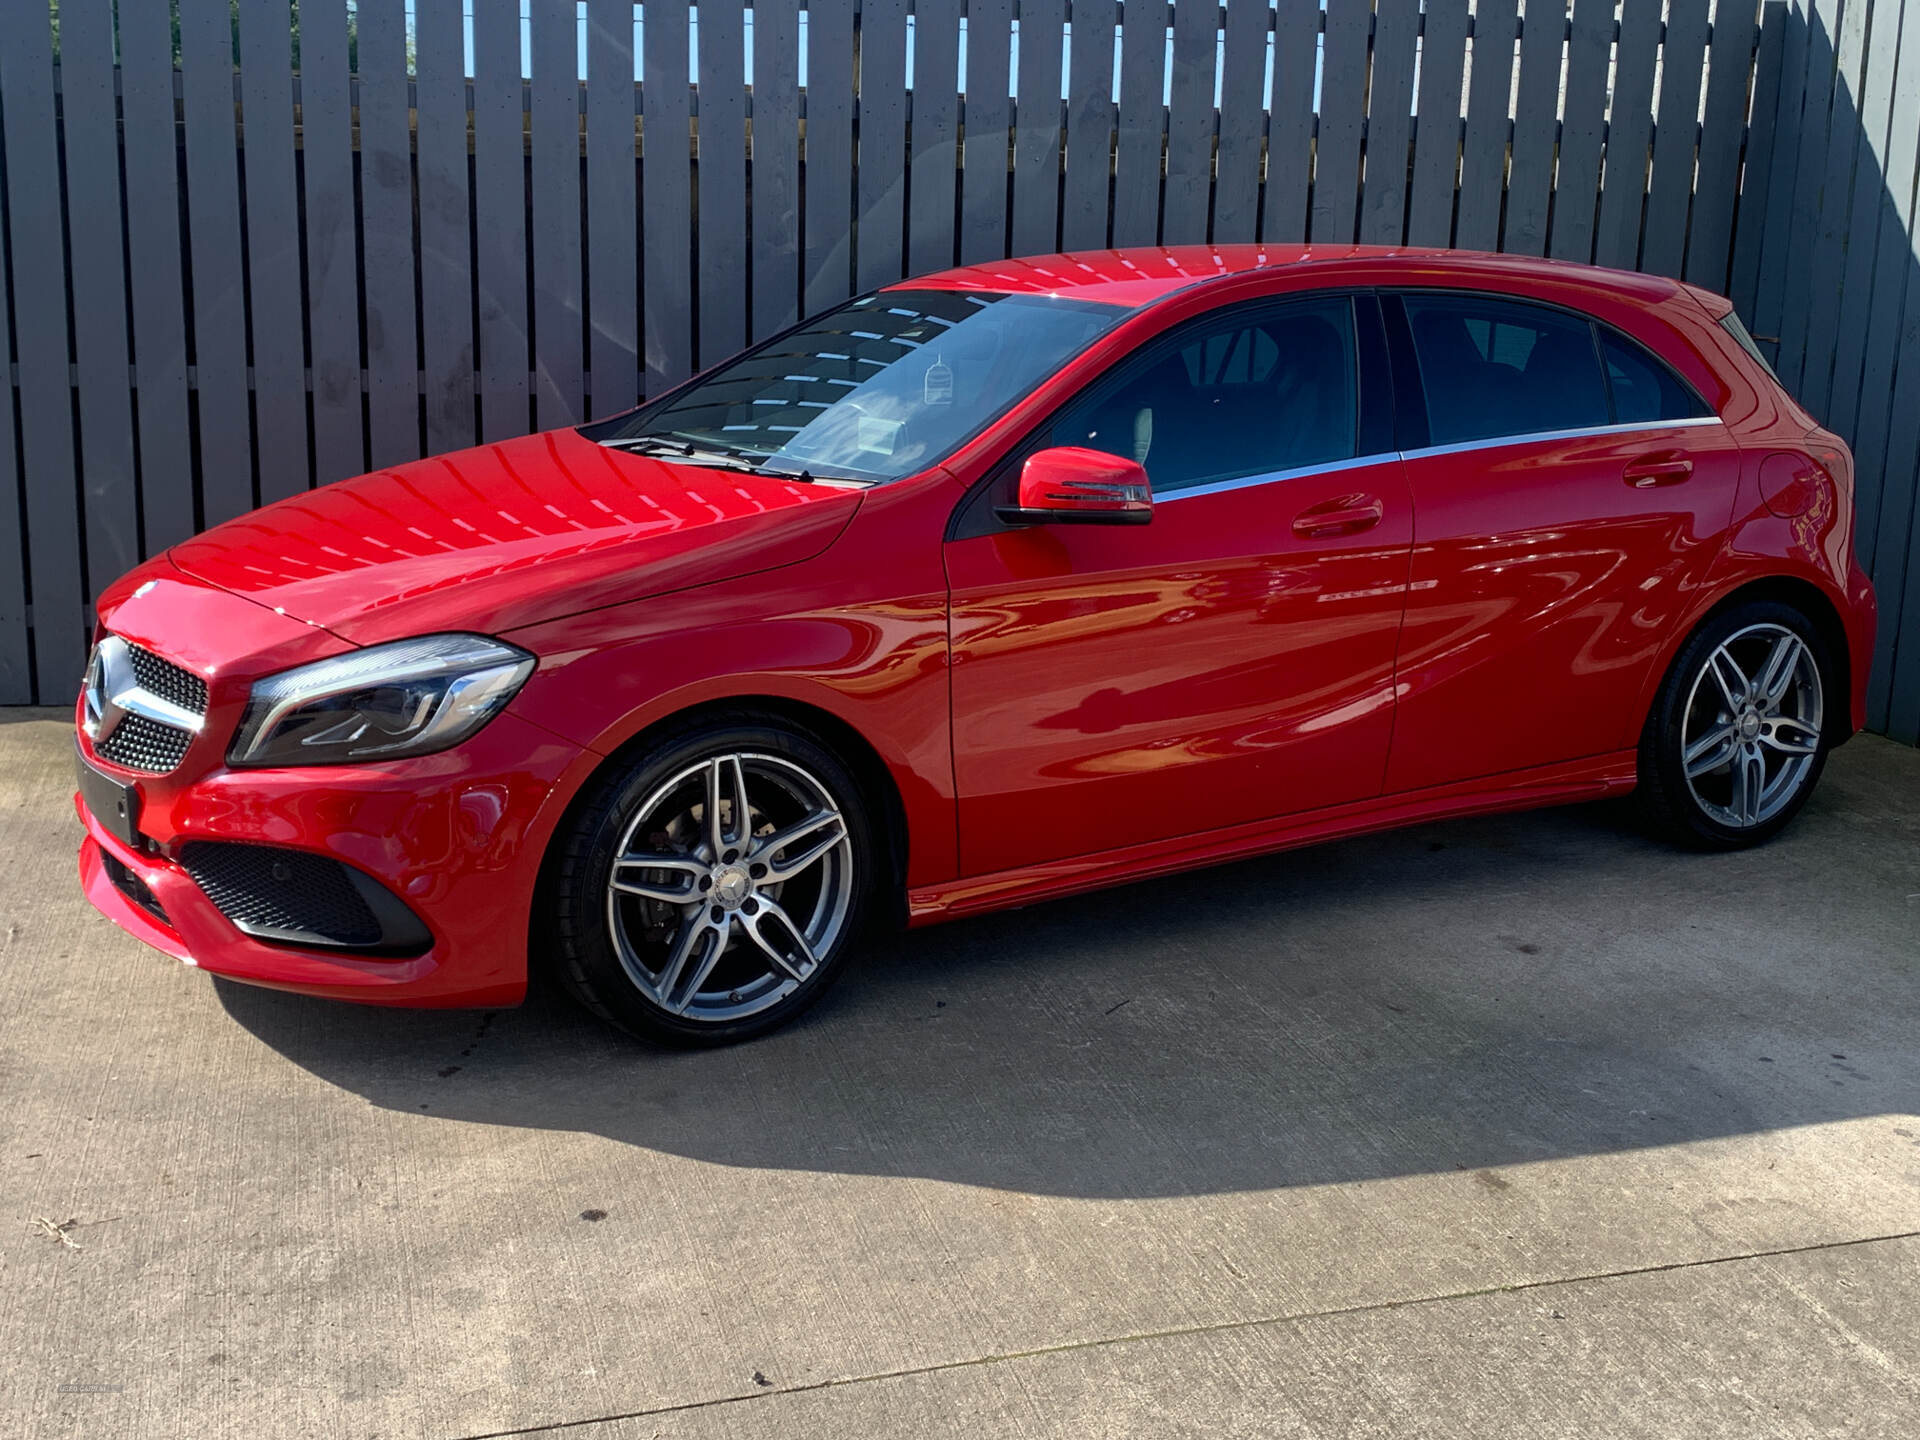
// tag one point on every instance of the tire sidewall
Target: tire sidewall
(581, 946)
(1662, 745)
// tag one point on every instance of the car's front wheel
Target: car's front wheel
(1737, 736)
(710, 890)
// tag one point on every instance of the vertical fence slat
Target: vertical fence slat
(558, 306)
(446, 263)
(933, 171)
(722, 176)
(985, 118)
(1671, 184)
(1137, 154)
(110, 508)
(828, 276)
(1243, 73)
(1623, 189)
(500, 221)
(1036, 145)
(665, 193)
(149, 137)
(1769, 300)
(1083, 212)
(1383, 202)
(881, 96)
(1336, 158)
(1529, 188)
(1582, 126)
(612, 261)
(776, 165)
(272, 216)
(1296, 25)
(1190, 122)
(333, 283)
(1810, 182)
(1436, 133)
(1893, 278)
(1751, 207)
(1730, 64)
(17, 678)
(1871, 148)
(386, 227)
(219, 299)
(1826, 267)
(1483, 153)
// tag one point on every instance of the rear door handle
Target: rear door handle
(1343, 515)
(1651, 470)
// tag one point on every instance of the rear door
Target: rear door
(1230, 661)
(1569, 490)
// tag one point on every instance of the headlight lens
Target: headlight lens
(410, 697)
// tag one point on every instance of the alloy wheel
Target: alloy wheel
(732, 880)
(1751, 730)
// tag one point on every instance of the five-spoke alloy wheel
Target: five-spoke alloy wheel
(1736, 739)
(726, 871)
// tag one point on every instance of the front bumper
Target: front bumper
(457, 836)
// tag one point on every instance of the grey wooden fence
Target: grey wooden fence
(232, 278)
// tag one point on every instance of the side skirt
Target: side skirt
(1559, 784)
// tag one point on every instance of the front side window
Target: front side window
(1246, 393)
(1495, 367)
(879, 389)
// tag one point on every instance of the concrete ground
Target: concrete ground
(1525, 1126)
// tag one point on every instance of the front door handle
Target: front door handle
(1663, 469)
(1343, 515)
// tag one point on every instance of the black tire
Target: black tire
(1667, 799)
(574, 925)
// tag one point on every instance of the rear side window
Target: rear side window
(1498, 367)
(1248, 392)
(1743, 337)
(1643, 388)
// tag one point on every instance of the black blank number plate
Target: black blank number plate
(114, 805)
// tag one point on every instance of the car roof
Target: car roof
(1142, 275)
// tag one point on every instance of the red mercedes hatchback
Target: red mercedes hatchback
(989, 586)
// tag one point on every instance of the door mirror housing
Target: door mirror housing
(1071, 485)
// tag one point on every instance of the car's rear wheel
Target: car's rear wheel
(710, 890)
(1737, 737)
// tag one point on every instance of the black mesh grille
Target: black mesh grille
(283, 894)
(135, 889)
(168, 680)
(142, 744)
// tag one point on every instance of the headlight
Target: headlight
(407, 698)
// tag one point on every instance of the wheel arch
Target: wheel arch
(870, 770)
(1811, 600)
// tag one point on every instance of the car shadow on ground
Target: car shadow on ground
(1466, 995)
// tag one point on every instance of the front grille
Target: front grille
(138, 743)
(168, 680)
(302, 899)
(134, 888)
(141, 741)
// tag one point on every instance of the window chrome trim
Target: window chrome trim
(1495, 442)
(1271, 477)
(1492, 442)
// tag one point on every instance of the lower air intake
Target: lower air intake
(296, 898)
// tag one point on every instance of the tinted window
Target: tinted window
(1643, 388)
(1496, 367)
(1743, 337)
(881, 388)
(1247, 394)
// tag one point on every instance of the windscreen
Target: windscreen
(881, 388)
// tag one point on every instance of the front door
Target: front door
(1228, 662)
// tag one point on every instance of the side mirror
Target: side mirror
(1070, 485)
